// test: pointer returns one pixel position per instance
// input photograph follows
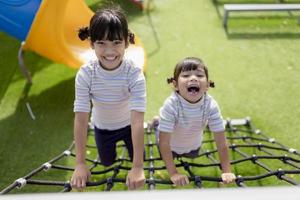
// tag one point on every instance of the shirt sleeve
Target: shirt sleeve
(167, 119)
(82, 101)
(137, 88)
(215, 119)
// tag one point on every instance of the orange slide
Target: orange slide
(53, 34)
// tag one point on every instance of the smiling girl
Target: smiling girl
(117, 90)
(184, 116)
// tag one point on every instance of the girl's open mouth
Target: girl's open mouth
(193, 89)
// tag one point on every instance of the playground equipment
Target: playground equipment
(49, 28)
(17, 16)
(272, 164)
(138, 3)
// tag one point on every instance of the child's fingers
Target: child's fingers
(228, 178)
(78, 184)
(226, 181)
(176, 182)
(186, 180)
(83, 183)
(182, 181)
(127, 182)
(73, 183)
(131, 184)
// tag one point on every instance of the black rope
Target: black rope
(241, 133)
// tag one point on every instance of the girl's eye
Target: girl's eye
(100, 42)
(117, 42)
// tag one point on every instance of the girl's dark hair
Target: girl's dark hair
(107, 24)
(188, 64)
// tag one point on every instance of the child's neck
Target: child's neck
(189, 101)
(110, 69)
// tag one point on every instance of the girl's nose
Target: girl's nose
(109, 50)
(193, 78)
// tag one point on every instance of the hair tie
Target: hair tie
(84, 33)
(211, 84)
(170, 80)
(131, 38)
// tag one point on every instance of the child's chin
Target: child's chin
(193, 94)
(194, 99)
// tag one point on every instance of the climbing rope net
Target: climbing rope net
(256, 159)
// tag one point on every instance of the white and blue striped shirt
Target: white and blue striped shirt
(113, 93)
(186, 121)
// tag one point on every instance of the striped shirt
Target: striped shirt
(186, 121)
(113, 93)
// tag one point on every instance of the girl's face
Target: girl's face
(109, 53)
(192, 85)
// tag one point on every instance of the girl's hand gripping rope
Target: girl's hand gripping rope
(80, 176)
(228, 178)
(179, 179)
(135, 178)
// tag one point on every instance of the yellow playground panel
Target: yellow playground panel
(53, 34)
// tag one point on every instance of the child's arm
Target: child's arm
(136, 177)
(222, 147)
(164, 146)
(81, 173)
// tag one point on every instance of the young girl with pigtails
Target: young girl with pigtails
(184, 116)
(113, 89)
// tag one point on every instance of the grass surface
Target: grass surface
(255, 66)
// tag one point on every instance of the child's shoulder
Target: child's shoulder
(172, 100)
(131, 67)
(91, 65)
(170, 105)
(88, 67)
(210, 101)
(209, 97)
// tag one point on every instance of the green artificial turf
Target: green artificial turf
(255, 66)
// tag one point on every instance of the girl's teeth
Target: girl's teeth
(110, 58)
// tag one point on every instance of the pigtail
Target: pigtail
(131, 38)
(170, 80)
(211, 83)
(84, 33)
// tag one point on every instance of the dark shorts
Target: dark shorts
(106, 143)
(191, 154)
